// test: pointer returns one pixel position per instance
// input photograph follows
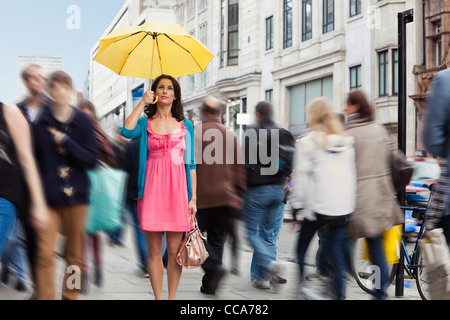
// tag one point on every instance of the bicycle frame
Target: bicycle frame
(409, 266)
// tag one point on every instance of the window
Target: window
(328, 15)
(233, 32)
(301, 95)
(306, 20)
(287, 24)
(222, 35)
(355, 7)
(383, 73)
(191, 85)
(394, 71)
(269, 33)
(355, 77)
(190, 9)
(438, 45)
(269, 96)
(137, 95)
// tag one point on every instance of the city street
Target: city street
(124, 281)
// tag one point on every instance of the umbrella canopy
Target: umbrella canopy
(153, 49)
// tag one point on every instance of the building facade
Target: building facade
(290, 52)
(286, 52)
(436, 56)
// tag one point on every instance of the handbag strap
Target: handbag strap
(194, 221)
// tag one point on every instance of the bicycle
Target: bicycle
(414, 262)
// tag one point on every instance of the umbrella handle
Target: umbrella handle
(155, 101)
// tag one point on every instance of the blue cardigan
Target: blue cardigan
(140, 131)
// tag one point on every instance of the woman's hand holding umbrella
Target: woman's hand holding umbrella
(149, 96)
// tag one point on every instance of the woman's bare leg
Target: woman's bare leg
(155, 264)
(173, 268)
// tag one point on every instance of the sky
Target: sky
(63, 28)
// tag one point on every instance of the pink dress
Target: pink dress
(164, 204)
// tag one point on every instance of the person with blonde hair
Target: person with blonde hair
(325, 187)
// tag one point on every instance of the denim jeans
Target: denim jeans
(13, 257)
(378, 257)
(255, 272)
(307, 232)
(261, 213)
(7, 222)
(335, 236)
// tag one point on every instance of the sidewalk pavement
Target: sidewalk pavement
(124, 281)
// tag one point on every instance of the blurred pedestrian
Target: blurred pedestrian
(65, 148)
(167, 177)
(94, 241)
(267, 168)
(375, 191)
(436, 141)
(325, 187)
(33, 79)
(221, 183)
(17, 163)
(130, 164)
(119, 143)
(13, 258)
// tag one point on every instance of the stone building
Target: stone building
(436, 55)
(286, 52)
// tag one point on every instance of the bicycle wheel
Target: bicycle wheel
(363, 270)
(421, 275)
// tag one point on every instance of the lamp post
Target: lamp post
(117, 112)
(404, 18)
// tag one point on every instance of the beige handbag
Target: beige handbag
(192, 252)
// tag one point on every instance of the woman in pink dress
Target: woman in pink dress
(167, 176)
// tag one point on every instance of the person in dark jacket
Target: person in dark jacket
(65, 148)
(220, 185)
(33, 79)
(268, 167)
(436, 140)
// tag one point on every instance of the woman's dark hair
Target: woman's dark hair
(366, 110)
(177, 106)
(86, 104)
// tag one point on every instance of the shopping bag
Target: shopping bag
(392, 243)
(106, 199)
(435, 252)
(392, 240)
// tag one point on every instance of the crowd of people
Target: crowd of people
(334, 177)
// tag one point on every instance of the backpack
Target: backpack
(287, 152)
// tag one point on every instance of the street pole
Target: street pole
(404, 18)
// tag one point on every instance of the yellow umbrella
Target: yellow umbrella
(153, 49)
